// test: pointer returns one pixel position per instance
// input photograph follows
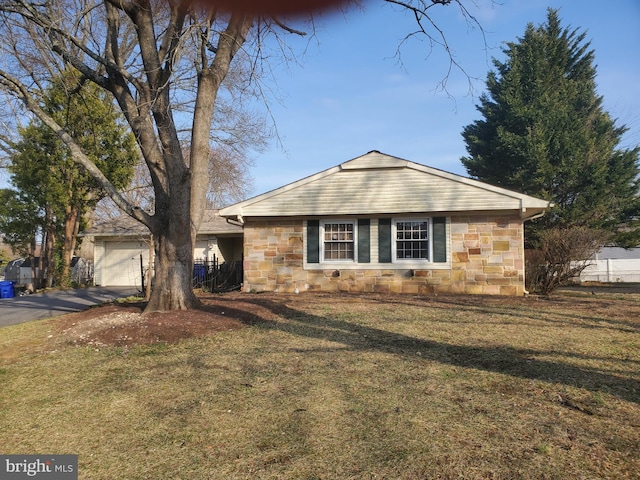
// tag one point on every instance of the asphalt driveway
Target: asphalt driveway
(57, 302)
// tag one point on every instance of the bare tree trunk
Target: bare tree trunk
(147, 287)
(179, 213)
(173, 270)
(71, 223)
(47, 262)
(32, 256)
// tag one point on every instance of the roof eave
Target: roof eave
(533, 210)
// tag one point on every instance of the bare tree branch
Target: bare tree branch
(428, 28)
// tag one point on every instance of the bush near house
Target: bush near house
(563, 253)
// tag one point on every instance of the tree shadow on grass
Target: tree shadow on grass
(535, 309)
(506, 360)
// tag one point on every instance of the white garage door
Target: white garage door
(122, 263)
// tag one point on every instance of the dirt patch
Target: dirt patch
(124, 324)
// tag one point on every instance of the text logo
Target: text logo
(45, 467)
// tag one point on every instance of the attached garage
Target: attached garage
(123, 263)
(121, 248)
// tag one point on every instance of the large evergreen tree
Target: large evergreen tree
(545, 133)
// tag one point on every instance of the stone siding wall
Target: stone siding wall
(486, 257)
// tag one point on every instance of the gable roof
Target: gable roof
(125, 226)
(377, 183)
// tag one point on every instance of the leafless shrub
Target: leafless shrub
(563, 254)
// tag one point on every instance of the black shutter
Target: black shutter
(384, 240)
(439, 239)
(313, 241)
(364, 241)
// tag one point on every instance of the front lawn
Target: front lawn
(333, 386)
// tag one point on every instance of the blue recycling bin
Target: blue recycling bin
(6, 289)
(199, 272)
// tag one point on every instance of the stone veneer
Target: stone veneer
(486, 257)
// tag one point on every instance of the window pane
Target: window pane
(338, 241)
(338, 251)
(411, 240)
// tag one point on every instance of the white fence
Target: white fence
(612, 271)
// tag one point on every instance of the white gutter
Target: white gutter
(238, 221)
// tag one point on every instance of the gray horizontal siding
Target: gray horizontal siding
(372, 191)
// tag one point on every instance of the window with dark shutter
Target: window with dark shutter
(364, 241)
(313, 241)
(439, 239)
(384, 240)
(401, 240)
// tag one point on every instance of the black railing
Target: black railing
(213, 276)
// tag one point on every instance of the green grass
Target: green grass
(343, 387)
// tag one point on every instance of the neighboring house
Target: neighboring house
(20, 271)
(121, 249)
(613, 264)
(379, 223)
(12, 270)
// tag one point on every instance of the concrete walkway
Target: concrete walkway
(57, 302)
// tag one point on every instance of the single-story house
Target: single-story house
(121, 247)
(378, 223)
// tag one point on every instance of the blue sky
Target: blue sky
(351, 95)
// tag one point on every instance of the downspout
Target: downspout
(538, 215)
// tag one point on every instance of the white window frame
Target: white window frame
(394, 240)
(354, 225)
